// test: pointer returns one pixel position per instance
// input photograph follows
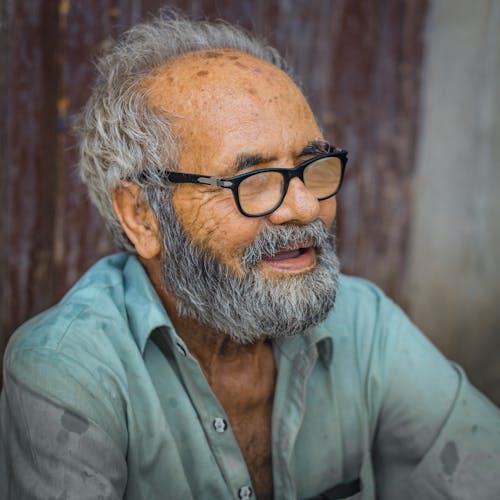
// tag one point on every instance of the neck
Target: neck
(215, 351)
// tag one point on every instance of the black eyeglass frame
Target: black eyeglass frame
(234, 182)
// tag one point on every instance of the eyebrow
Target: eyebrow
(244, 161)
(316, 147)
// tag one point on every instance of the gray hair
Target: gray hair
(120, 135)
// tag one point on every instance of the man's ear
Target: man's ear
(137, 219)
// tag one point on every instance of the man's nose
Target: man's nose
(300, 206)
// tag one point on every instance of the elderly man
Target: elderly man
(222, 355)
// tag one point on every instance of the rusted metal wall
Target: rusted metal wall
(359, 62)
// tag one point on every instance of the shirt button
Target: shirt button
(245, 492)
(181, 349)
(220, 425)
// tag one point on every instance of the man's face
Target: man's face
(229, 109)
(227, 105)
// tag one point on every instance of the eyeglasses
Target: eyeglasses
(261, 192)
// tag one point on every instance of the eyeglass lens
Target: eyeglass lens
(262, 192)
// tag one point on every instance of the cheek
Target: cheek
(213, 222)
(328, 211)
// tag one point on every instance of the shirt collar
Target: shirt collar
(317, 337)
(144, 308)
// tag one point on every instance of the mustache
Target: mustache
(272, 239)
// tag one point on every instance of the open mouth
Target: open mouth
(295, 261)
(288, 254)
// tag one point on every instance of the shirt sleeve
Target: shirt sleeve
(437, 437)
(49, 450)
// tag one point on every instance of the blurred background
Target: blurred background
(410, 87)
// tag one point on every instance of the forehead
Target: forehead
(212, 74)
(226, 100)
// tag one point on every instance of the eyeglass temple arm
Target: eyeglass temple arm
(179, 177)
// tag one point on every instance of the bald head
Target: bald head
(230, 100)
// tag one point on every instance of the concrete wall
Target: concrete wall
(453, 287)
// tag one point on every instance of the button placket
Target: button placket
(287, 422)
(211, 416)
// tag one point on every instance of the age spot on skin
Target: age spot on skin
(252, 91)
(241, 65)
(202, 73)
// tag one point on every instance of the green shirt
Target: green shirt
(93, 408)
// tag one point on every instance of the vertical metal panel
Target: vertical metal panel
(374, 101)
(79, 236)
(50, 233)
(359, 64)
(4, 211)
(29, 159)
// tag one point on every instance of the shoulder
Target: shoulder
(96, 297)
(82, 333)
(364, 322)
(368, 331)
(71, 353)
